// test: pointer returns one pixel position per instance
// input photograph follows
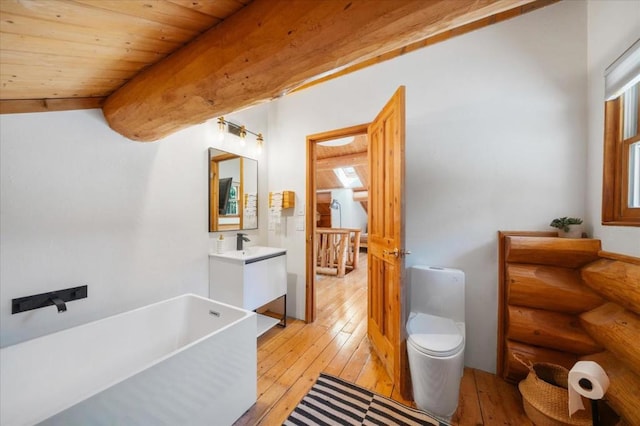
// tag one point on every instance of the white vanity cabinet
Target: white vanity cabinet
(249, 279)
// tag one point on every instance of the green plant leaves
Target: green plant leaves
(564, 222)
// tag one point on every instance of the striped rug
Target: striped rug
(335, 402)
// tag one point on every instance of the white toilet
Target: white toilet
(436, 337)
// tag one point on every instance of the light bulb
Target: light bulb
(243, 136)
(221, 128)
(259, 141)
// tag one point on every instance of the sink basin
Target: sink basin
(250, 254)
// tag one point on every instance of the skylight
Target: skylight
(348, 177)
(338, 142)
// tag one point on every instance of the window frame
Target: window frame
(615, 182)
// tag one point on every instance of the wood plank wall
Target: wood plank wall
(562, 300)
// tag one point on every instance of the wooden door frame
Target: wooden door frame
(312, 140)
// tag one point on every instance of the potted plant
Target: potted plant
(568, 227)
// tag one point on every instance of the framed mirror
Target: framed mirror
(233, 192)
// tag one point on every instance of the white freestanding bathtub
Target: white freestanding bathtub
(184, 361)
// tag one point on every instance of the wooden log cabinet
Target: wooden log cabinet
(562, 300)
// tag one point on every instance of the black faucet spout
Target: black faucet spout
(240, 238)
(62, 307)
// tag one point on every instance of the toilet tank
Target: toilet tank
(437, 291)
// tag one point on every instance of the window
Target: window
(348, 177)
(621, 178)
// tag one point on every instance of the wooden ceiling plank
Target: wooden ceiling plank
(53, 89)
(13, 106)
(55, 61)
(162, 12)
(23, 25)
(270, 47)
(326, 181)
(359, 144)
(54, 93)
(57, 92)
(74, 49)
(38, 71)
(95, 81)
(363, 172)
(219, 9)
(98, 20)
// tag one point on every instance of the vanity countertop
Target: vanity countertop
(250, 254)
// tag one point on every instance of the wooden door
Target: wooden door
(385, 314)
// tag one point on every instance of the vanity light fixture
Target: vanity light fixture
(238, 130)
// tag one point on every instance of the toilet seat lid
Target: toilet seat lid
(434, 335)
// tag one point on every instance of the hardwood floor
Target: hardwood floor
(290, 359)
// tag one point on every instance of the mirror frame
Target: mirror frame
(215, 156)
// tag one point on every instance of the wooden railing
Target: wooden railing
(337, 250)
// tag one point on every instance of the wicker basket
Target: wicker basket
(545, 397)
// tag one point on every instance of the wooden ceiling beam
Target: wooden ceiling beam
(353, 160)
(360, 195)
(271, 47)
(437, 38)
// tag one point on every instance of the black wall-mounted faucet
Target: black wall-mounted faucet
(57, 298)
(240, 237)
(62, 307)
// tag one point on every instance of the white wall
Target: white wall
(496, 131)
(613, 27)
(82, 205)
(353, 215)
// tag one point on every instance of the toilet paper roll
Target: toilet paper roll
(588, 379)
